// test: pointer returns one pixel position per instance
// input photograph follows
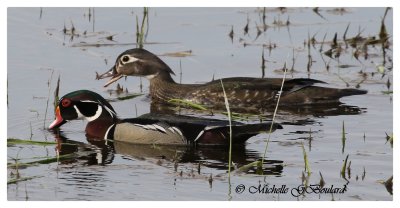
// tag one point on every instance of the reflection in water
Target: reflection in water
(334, 109)
(95, 153)
(284, 112)
(212, 157)
(102, 153)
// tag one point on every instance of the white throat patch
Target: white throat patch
(149, 77)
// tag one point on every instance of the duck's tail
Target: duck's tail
(351, 91)
(240, 133)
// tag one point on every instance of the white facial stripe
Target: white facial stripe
(80, 115)
(91, 118)
(132, 59)
(97, 115)
(112, 113)
(88, 101)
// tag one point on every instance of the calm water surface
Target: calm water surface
(39, 52)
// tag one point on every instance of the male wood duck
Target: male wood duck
(149, 128)
(241, 91)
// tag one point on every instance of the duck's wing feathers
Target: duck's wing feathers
(246, 90)
(201, 130)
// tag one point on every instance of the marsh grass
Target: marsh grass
(388, 92)
(231, 34)
(389, 185)
(322, 43)
(363, 174)
(56, 93)
(13, 141)
(309, 140)
(181, 103)
(273, 116)
(230, 141)
(48, 98)
(309, 57)
(17, 180)
(389, 138)
(246, 28)
(321, 180)
(306, 163)
(55, 100)
(30, 126)
(247, 167)
(345, 33)
(305, 180)
(210, 180)
(186, 103)
(344, 166)
(141, 33)
(128, 97)
(43, 160)
(262, 64)
(178, 54)
(343, 137)
(243, 116)
(47, 160)
(17, 175)
(230, 128)
(349, 170)
(199, 167)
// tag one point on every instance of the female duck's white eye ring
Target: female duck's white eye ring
(127, 59)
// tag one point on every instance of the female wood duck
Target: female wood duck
(150, 128)
(241, 91)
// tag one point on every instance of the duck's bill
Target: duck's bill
(59, 120)
(114, 79)
(110, 73)
(107, 74)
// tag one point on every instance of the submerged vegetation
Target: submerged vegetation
(17, 165)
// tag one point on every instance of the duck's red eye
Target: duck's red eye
(66, 102)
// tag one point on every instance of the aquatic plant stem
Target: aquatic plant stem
(273, 116)
(230, 129)
(48, 98)
(230, 141)
(306, 163)
(140, 35)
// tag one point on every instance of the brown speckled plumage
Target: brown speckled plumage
(241, 91)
